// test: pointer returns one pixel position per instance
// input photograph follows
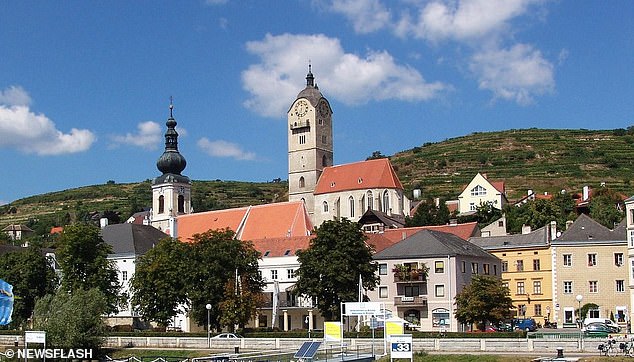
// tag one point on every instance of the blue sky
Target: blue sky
(85, 85)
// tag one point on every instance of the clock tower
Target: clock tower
(309, 142)
(171, 192)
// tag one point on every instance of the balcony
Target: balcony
(409, 276)
(417, 301)
(300, 124)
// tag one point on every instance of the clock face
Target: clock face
(301, 108)
(323, 109)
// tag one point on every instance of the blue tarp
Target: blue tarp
(6, 302)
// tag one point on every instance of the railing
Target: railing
(286, 304)
(408, 277)
(300, 124)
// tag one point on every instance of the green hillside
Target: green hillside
(122, 200)
(536, 159)
(541, 160)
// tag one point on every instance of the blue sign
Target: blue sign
(6, 302)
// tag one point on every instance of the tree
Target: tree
(603, 207)
(32, 277)
(427, 213)
(330, 268)
(215, 259)
(483, 300)
(376, 155)
(83, 257)
(72, 321)
(159, 284)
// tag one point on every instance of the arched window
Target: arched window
(325, 204)
(362, 203)
(302, 183)
(386, 202)
(351, 205)
(181, 204)
(324, 161)
(161, 205)
(370, 198)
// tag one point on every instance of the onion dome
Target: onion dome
(171, 163)
(311, 92)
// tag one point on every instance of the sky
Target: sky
(85, 86)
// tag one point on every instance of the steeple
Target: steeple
(310, 79)
(171, 161)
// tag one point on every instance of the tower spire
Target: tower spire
(171, 161)
(310, 79)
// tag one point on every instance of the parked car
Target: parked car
(226, 336)
(612, 325)
(528, 324)
(597, 329)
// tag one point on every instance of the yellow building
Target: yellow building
(526, 270)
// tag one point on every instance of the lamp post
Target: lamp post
(579, 299)
(208, 306)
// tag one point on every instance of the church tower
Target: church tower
(309, 142)
(171, 192)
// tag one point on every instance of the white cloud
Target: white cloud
(518, 73)
(220, 148)
(464, 19)
(366, 15)
(348, 77)
(35, 133)
(14, 96)
(148, 136)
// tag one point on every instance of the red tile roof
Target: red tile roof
(369, 174)
(57, 229)
(275, 247)
(277, 220)
(390, 237)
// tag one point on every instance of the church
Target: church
(318, 191)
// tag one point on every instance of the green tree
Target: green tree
(484, 299)
(330, 268)
(72, 321)
(214, 260)
(376, 155)
(83, 257)
(427, 213)
(239, 303)
(159, 285)
(603, 207)
(32, 277)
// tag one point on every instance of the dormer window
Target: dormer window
(266, 253)
(287, 252)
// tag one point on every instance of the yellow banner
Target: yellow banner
(393, 327)
(332, 331)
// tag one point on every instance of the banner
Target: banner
(332, 331)
(6, 302)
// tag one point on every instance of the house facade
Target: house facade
(421, 275)
(526, 265)
(128, 242)
(481, 191)
(589, 264)
(629, 220)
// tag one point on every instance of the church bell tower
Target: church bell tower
(171, 192)
(309, 142)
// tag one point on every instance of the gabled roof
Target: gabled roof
(278, 220)
(375, 216)
(18, 227)
(132, 239)
(276, 247)
(371, 174)
(538, 237)
(393, 236)
(586, 229)
(429, 243)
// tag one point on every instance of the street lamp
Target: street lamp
(208, 306)
(579, 299)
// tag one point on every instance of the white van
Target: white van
(608, 322)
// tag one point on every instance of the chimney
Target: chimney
(453, 222)
(526, 229)
(437, 201)
(586, 193)
(553, 230)
(568, 223)
(416, 194)
(530, 192)
(103, 222)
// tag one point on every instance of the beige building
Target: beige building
(629, 217)
(481, 191)
(589, 268)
